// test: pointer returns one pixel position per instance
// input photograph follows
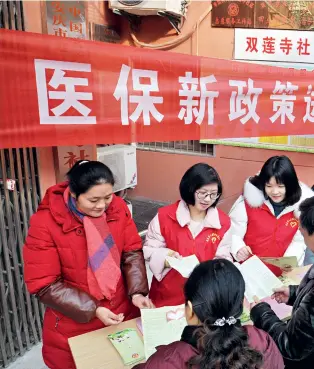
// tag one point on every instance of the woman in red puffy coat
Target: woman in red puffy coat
(83, 259)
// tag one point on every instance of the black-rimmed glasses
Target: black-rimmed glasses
(203, 195)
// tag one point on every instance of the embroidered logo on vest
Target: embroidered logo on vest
(292, 222)
(214, 237)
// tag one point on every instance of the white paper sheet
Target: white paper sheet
(259, 280)
(184, 266)
(162, 326)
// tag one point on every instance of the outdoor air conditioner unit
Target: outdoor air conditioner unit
(176, 8)
(121, 159)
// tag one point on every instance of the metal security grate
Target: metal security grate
(11, 15)
(190, 147)
(20, 314)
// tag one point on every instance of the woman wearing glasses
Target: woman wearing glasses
(190, 226)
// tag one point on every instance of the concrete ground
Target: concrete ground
(31, 360)
(143, 213)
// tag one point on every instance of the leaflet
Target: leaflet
(259, 280)
(184, 266)
(162, 326)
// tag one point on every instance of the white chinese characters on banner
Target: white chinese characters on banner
(244, 105)
(195, 95)
(283, 102)
(274, 45)
(309, 115)
(70, 97)
(194, 104)
(145, 102)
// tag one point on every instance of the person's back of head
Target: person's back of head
(307, 222)
(214, 297)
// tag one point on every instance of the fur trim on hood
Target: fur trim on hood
(255, 198)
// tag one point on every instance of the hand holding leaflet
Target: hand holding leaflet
(259, 280)
(184, 266)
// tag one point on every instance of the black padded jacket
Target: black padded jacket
(295, 339)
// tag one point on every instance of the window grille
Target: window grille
(190, 147)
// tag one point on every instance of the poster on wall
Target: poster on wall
(66, 19)
(69, 155)
(303, 143)
(273, 14)
(274, 45)
(232, 14)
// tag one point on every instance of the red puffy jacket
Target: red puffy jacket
(56, 247)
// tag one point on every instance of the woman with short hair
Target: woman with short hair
(192, 225)
(265, 219)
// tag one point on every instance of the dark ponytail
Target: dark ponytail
(216, 291)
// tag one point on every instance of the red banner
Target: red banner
(71, 92)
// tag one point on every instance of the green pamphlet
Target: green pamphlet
(283, 262)
(129, 346)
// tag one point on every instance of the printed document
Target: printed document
(259, 280)
(184, 266)
(162, 326)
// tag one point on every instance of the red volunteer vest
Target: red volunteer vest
(169, 291)
(267, 235)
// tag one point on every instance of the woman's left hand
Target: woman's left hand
(142, 302)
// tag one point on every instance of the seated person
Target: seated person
(214, 337)
(295, 340)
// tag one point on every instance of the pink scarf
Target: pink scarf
(103, 270)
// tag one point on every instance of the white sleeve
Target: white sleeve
(224, 247)
(297, 248)
(239, 221)
(155, 250)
